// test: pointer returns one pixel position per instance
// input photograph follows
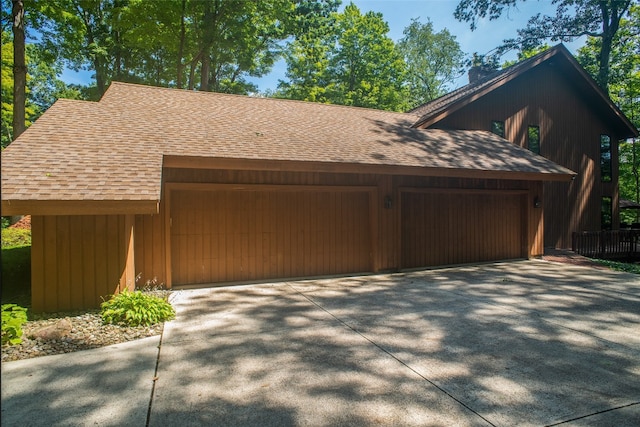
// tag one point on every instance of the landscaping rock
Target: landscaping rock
(60, 329)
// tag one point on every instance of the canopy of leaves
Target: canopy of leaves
(43, 85)
(573, 18)
(347, 59)
(624, 89)
(433, 61)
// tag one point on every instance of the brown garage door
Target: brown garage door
(232, 235)
(441, 229)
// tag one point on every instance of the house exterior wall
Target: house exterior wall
(79, 260)
(569, 135)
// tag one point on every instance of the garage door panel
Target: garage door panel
(441, 229)
(222, 236)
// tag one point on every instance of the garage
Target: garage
(231, 233)
(453, 227)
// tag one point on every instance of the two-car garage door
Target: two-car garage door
(251, 233)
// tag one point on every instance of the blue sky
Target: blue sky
(398, 14)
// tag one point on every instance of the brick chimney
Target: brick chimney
(478, 72)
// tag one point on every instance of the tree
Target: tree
(624, 88)
(349, 60)
(19, 69)
(308, 54)
(433, 61)
(574, 18)
(366, 69)
(211, 45)
(237, 39)
(43, 86)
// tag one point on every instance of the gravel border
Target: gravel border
(87, 332)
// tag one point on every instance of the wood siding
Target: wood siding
(454, 227)
(569, 135)
(227, 235)
(79, 260)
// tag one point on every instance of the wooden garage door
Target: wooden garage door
(441, 229)
(231, 235)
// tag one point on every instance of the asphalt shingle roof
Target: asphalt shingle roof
(114, 149)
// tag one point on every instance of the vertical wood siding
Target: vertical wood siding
(78, 260)
(150, 249)
(569, 135)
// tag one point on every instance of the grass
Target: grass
(16, 266)
(620, 266)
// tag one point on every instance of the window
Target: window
(497, 127)
(605, 157)
(533, 136)
(605, 214)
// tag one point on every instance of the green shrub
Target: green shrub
(13, 317)
(620, 266)
(136, 309)
(14, 237)
(16, 275)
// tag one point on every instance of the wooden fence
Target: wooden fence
(610, 244)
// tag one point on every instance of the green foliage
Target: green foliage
(16, 265)
(433, 61)
(624, 89)
(6, 113)
(16, 275)
(13, 317)
(15, 237)
(43, 85)
(347, 59)
(573, 19)
(206, 45)
(135, 309)
(620, 266)
(526, 54)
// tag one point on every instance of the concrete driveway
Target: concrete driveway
(518, 343)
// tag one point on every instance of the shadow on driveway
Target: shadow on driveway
(522, 343)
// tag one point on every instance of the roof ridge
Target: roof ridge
(262, 98)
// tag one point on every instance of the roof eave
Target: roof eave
(79, 207)
(221, 163)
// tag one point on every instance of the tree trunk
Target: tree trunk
(207, 42)
(19, 69)
(610, 24)
(181, 65)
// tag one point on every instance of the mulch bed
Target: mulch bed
(24, 223)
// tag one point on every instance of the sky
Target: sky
(398, 14)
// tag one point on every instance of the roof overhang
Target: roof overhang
(190, 162)
(79, 207)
